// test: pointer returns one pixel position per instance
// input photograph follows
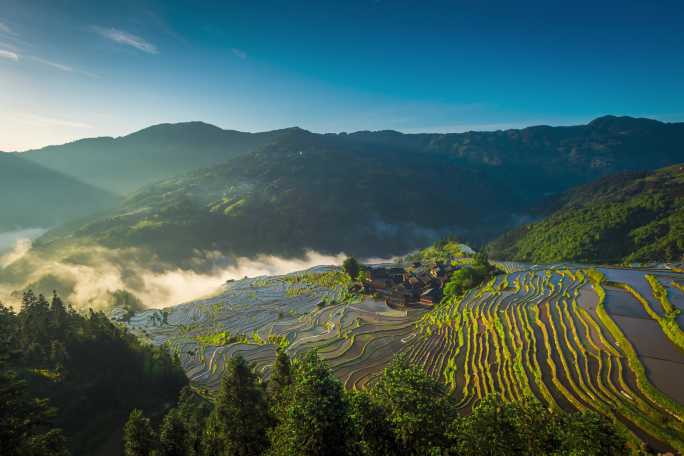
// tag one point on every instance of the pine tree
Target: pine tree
(138, 436)
(193, 410)
(241, 417)
(417, 407)
(281, 376)
(351, 267)
(315, 421)
(373, 432)
(25, 421)
(173, 435)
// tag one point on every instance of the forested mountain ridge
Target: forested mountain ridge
(305, 191)
(122, 165)
(628, 217)
(604, 146)
(375, 193)
(34, 196)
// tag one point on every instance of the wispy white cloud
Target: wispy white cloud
(61, 66)
(8, 55)
(56, 65)
(127, 39)
(239, 53)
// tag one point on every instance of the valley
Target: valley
(341, 228)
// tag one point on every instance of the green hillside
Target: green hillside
(122, 165)
(34, 196)
(623, 218)
(372, 192)
(307, 191)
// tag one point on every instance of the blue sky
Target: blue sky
(72, 69)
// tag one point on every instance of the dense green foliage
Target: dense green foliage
(469, 276)
(351, 267)
(138, 435)
(443, 251)
(237, 425)
(92, 371)
(406, 412)
(624, 218)
(417, 408)
(25, 421)
(496, 428)
(314, 419)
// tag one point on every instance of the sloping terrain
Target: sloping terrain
(374, 193)
(604, 339)
(624, 218)
(122, 165)
(307, 191)
(548, 159)
(34, 196)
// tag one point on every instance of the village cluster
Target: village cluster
(414, 285)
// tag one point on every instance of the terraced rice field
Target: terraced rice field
(604, 339)
(356, 335)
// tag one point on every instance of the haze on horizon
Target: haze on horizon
(76, 69)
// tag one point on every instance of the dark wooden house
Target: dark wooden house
(431, 296)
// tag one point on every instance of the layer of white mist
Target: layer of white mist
(179, 286)
(15, 244)
(106, 271)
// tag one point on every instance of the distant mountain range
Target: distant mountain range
(195, 186)
(122, 165)
(606, 145)
(636, 216)
(32, 195)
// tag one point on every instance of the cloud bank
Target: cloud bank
(87, 277)
(9, 55)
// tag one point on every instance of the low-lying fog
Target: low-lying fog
(88, 278)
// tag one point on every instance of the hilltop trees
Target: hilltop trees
(470, 276)
(351, 267)
(25, 422)
(416, 406)
(139, 438)
(281, 377)
(315, 419)
(238, 423)
(517, 429)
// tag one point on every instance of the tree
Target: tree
(490, 430)
(25, 428)
(281, 376)
(528, 427)
(417, 406)
(372, 429)
(193, 409)
(351, 267)
(589, 434)
(315, 420)
(138, 436)
(241, 416)
(173, 435)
